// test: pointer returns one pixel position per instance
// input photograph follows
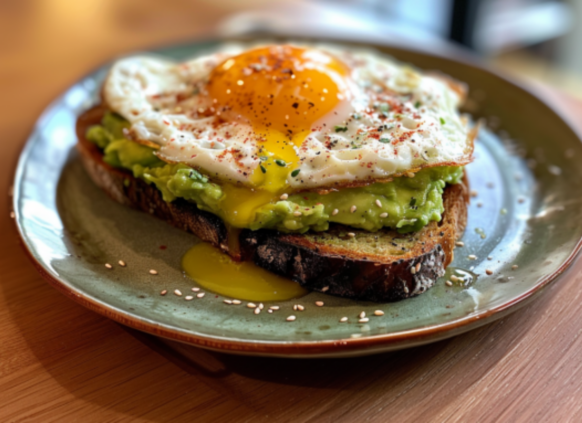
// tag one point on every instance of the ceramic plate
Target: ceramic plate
(523, 225)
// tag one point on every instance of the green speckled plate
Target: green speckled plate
(526, 214)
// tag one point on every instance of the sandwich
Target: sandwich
(340, 169)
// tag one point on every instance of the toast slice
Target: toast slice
(347, 262)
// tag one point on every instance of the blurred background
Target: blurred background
(537, 39)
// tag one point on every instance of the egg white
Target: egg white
(161, 100)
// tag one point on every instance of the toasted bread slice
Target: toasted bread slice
(351, 263)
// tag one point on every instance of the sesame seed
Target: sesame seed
(418, 267)
(227, 302)
(324, 289)
(257, 310)
(153, 272)
(270, 311)
(177, 292)
(334, 212)
(448, 283)
(261, 306)
(489, 258)
(413, 270)
(108, 266)
(489, 271)
(251, 305)
(410, 174)
(164, 292)
(195, 289)
(460, 244)
(454, 278)
(202, 294)
(295, 307)
(474, 193)
(353, 208)
(319, 303)
(383, 215)
(274, 308)
(236, 302)
(121, 263)
(472, 257)
(297, 213)
(188, 297)
(351, 234)
(378, 313)
(362, 314)
(356, 335)
(343, 319)
(12, 215)
(300, 307)
(378, 203)
(364, 320)
(515, 266)
(284, 196)
(291, 318)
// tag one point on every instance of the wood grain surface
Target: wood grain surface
(60, 362)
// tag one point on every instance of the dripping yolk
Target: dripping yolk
(217, 272)
(282, 91)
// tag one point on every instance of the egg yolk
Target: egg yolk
(281, 91)
(217, 272)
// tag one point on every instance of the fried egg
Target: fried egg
(275, 119)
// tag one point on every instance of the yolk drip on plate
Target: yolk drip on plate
(282, 91)
(217, 272)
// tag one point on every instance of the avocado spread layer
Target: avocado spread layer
(405, 204)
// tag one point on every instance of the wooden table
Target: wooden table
(61, 362)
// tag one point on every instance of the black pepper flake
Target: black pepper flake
(295, 105)
(412, 202)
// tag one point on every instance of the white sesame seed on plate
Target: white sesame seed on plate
(460, 244)
(284, 197)
(227, 302)
(356, 335)
(188, 297)
(472, 257)
(515, 266)
(364, 320)
(270, 311)
(177, 292)
(378, 203)
(164, 292)
(454, 278)
(324, 289)
(319, 303)
(300, 307)
(489, 271)
(334, 212)
(294, 307)
(353, 208)
(291, 318)
(274, 308)
(236, 302)
(378, 313)
(343, 319)
(153, 272)
(108, 266)
(121, 263)
(449, 283)
(251, 305)
(351, 234)
(383, 215)
(257, 310)
(362, 314)
(200, 295)
(261, 306)
(195, 289)
(297, 213)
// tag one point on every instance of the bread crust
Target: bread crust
(330, 263)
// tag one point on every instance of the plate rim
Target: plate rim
(297, 349)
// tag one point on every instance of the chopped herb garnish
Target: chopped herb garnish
(295, 172)
(341, 129)
(263, 168)
(417, 104)
(281, 163)
(442, 121)
(412, 202)
(384, 140)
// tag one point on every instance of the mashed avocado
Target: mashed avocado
(410, 203)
